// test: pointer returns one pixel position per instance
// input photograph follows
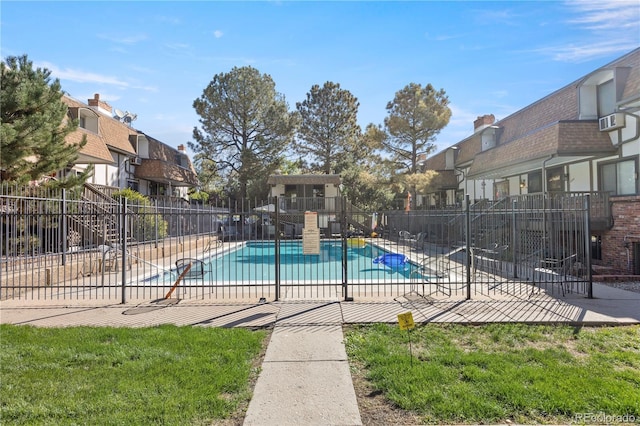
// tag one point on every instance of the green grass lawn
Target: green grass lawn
(494, 373)
(126, 376)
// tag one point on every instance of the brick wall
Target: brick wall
(626, 228)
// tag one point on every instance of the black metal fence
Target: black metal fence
(63, 245)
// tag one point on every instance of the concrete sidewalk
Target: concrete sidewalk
(305, 377)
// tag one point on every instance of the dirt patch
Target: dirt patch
(375, 409)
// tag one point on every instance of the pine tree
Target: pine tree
(245, 127)
(415, 117)
(34, 123)
(329, 129)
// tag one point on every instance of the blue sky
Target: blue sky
(155, 58)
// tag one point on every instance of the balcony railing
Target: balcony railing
(302, 204)
(599, 204)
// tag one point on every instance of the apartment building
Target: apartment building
(124, 157)
(584, 137)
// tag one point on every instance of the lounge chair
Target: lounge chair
(420, 241)
(406, 237)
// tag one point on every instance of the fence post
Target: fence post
(343, 231)
(514, 237)
(123, 243)
(63, 228)
(277, 247)
(468, 243)
(155, 207)
(587, 241)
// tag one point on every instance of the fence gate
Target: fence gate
(515, 247)
(86, 245)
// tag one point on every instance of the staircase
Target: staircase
(97, 217)
(358, 218)
(487, 225)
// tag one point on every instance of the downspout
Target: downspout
(544, 173)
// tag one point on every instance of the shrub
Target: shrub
(146, 224)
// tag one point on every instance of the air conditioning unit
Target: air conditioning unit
(611, 122)
(136, 161)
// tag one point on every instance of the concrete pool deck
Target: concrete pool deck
(305, 377)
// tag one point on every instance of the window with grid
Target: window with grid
(620, 177)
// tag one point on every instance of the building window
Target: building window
(501, 189)
(87, 120)
(290, 190)
(555, 179)
(606, 98)
(156, 189)
(596, 247)
(619, 178)
(534, 182)
(459, 197)
(318, 191)
(132, 184)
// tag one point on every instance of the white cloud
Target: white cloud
(79, 76)
(132, 39)
(612, 27)
(178, 46)
(459, 128)
(605, 15)
(118, 49)
(171, 20)
(462, 118)
(586, 51)
(443, 37)
(499, 93)
(140, 69)
(218, 34)
(233, 60)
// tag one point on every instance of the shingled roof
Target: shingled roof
(96, 150)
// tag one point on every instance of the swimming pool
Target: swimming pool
(254, 263)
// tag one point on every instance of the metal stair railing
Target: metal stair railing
(98, 214)
(358, 217)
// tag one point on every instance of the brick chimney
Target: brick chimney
(182, 149)
(483, 121)
(100, 106)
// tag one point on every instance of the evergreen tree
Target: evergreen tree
(415, 117)
(366, 188)
(329, 128)
(34, 123)
(245, 126)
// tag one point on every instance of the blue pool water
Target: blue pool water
(254, 262)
